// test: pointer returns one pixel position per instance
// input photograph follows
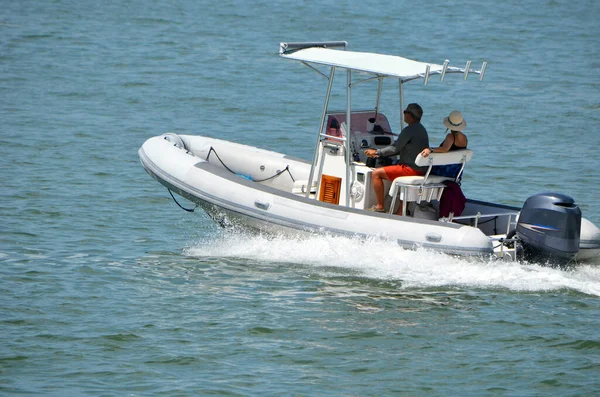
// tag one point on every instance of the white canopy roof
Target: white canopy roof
(378, 64)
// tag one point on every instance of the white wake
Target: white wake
(386, 261)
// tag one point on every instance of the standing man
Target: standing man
(412, 140)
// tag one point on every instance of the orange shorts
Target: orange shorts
(394, 171)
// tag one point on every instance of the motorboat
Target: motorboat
(250, 188)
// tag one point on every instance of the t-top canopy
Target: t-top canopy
(378, 64)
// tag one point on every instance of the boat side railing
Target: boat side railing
(507, 246)
(476, 217)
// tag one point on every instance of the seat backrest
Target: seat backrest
(458, 157)
(453, 157)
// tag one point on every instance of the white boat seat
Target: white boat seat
(428, 187)
(417, 180)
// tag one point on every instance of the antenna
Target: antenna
(467, 69)
(483, 66)
(444, 68)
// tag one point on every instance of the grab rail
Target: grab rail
(480, 215)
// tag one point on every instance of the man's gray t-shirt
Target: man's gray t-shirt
(412, 140)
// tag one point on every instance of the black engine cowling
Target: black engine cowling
(549, 226)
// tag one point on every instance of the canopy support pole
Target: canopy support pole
(316, 151)
(401, 93)
(348, 135)
(379, 88)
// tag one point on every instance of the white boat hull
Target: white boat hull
(234, 200)
(221, 186)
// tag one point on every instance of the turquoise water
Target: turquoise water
(108, 288)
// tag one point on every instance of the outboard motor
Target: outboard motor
(549, 226)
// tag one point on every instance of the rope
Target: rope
(185, 209)
(216, 154)
(287, 168)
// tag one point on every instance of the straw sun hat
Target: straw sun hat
(455, 121)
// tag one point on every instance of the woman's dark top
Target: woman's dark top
(449, 170)
(454, 147)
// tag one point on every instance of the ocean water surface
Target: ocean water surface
(108, 288)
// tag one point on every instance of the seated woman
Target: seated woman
(455, 140)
